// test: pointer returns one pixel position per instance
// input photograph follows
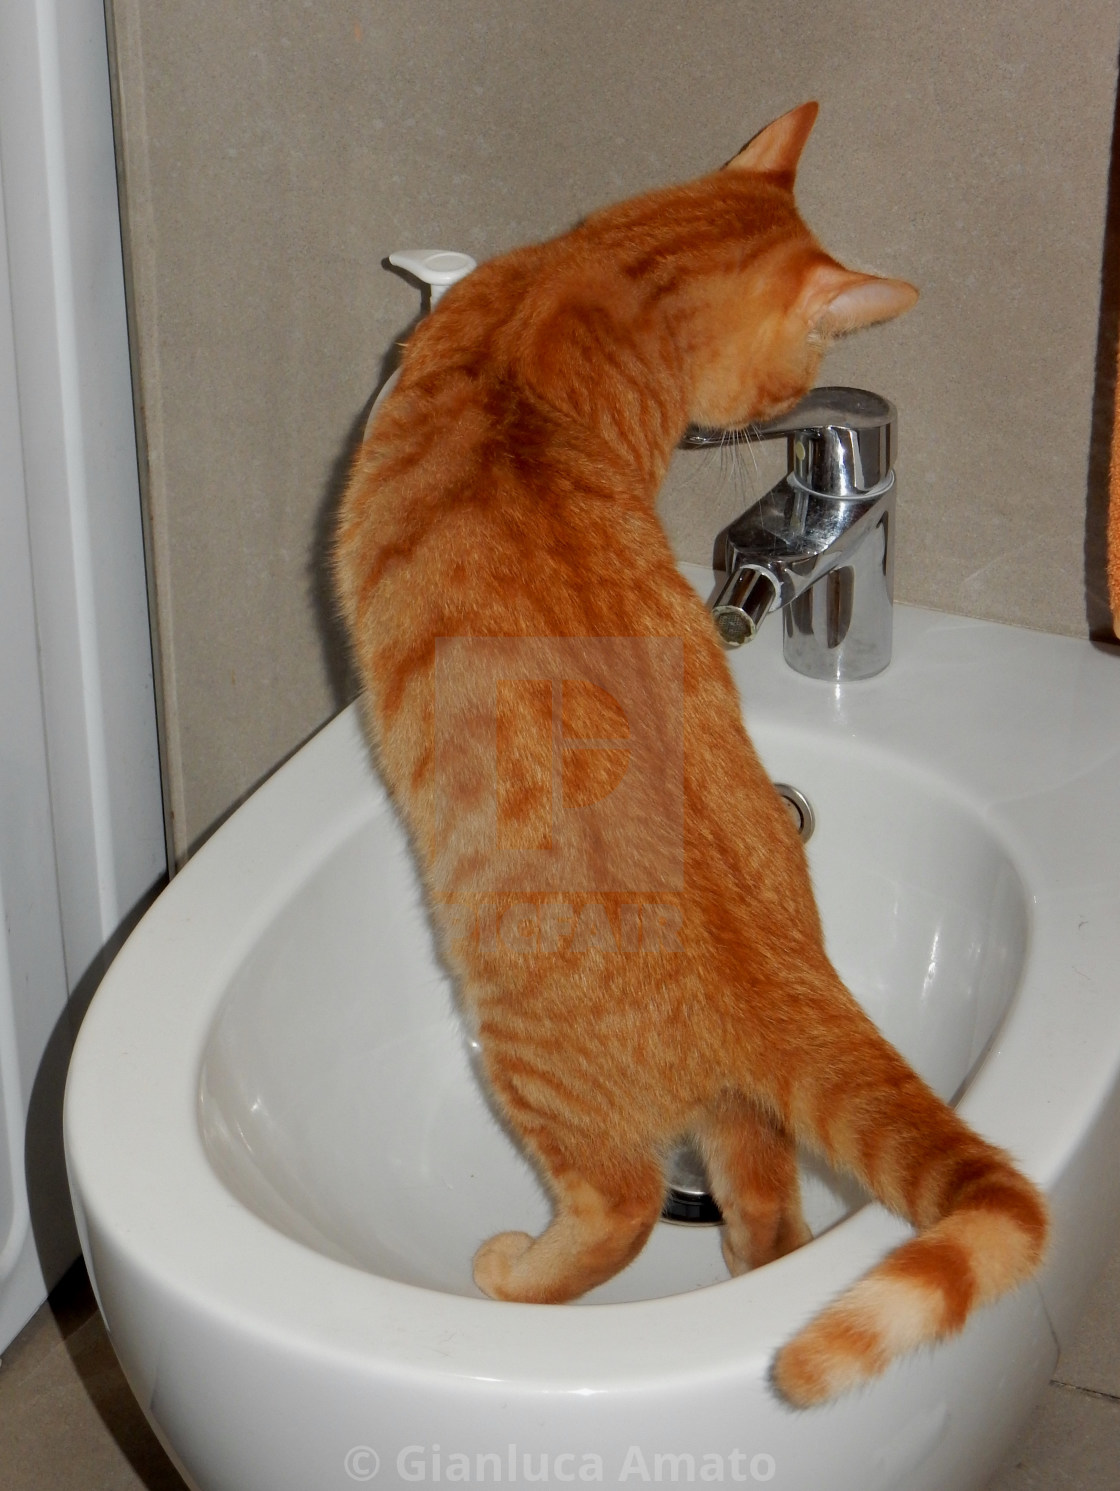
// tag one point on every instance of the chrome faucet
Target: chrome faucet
(819, 546)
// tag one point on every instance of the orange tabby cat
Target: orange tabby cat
(639, 975)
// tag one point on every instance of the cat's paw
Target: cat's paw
(494, 1262)
(736, 1263)
(795, 1234)
(741, 1254)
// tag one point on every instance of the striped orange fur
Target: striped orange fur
(669, 980)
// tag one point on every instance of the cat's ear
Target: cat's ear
(837, 300)
(777, 149)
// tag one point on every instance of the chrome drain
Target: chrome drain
(799, 809)
(687, 1198)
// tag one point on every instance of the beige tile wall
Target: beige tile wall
(274, 151)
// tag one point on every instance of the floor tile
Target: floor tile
(1092, 1358)
(1073, 1444)
(68, 1421)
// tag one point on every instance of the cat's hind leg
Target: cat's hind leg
(752, 1169)
(597, 1228)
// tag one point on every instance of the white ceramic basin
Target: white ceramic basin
(338, 1096)
(282, 1161)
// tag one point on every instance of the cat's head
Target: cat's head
(714, 292)
(763, 299)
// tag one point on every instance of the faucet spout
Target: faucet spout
(748, 595)
(819, 546)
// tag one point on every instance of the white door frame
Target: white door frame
(81, 816)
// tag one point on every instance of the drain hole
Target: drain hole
(797, 806)
(686, 1193)
(696, 1211)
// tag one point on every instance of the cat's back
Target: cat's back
(487, 498)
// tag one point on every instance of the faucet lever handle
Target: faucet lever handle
(843, 440)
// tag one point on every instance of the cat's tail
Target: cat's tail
(982, 1232)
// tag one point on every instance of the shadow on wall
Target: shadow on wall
(337, 663)
(1097, 610)
(338, 667)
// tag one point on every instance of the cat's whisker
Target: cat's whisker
(697, 466)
